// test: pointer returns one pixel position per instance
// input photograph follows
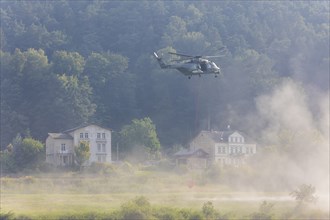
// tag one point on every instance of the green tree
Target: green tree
(74, 105)
(82, 153)
(140, 133)
(27, 152)
(113, 88)
(69, 63)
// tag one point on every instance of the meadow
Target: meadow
(134, 193)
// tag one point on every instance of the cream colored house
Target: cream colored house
(225, 147)
(60, 146)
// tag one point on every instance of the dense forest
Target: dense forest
(64, 63)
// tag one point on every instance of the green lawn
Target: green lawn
(45, 196)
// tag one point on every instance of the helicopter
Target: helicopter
(191, 65)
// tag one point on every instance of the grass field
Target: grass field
(71, 194)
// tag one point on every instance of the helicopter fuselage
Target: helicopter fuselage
(196, 66)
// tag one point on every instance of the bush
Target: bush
(138, 208)
(6, 216)
(101, 168)
(165, 213)
(264, 213)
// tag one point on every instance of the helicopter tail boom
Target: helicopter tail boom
(160, 61)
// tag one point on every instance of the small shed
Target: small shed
(195, 159)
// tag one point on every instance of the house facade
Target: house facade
(225, 147)
(60, 146)
(193, 159)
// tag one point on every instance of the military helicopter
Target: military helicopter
(191, 65)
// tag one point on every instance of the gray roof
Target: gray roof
(82, 126)
(217, 136)
(60, 136)
(222, 136)
(188, 152)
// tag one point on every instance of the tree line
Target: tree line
(65, 62)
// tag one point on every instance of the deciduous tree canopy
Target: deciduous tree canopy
(68, 62)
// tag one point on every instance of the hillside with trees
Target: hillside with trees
(65, 62)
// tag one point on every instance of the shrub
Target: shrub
(166, 213)
(304, 193)
(264, 213)
(6, 216)
(101, 168)
(138, 208)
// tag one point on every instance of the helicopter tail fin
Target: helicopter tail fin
(160, 61)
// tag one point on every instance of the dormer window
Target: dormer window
(86, 135)
(98, 136)
(81, 135)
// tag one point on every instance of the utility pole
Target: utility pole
(117, 152)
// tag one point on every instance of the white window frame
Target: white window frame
(63, 147)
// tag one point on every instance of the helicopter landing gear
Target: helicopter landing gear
(215, 76)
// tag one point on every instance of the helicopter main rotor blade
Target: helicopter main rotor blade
(213, 56)
(181, 55)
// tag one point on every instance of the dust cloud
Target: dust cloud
(292, 128)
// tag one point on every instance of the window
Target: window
(99, 158)
(86, 135)
(62, 147)
(98, 135)
(81, 135)
(98, 147)
(103, 147)
(103, 135)
(221, 150)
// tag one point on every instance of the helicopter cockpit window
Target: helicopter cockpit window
(213, 65)
(203, 66)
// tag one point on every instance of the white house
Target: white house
(60, 146)
(225, 147)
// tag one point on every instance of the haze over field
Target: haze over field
(66, 63)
